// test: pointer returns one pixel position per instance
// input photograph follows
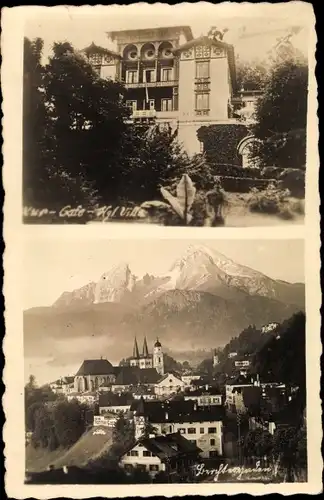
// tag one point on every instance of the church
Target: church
(146, 360)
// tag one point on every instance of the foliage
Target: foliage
(221, 142)
(251, 75)
(123, 436)
(257, 443)
(281, 112)
(272, 201)
(53, 115)
(170, 364)
(69, 422)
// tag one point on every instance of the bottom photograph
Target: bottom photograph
(164, 361)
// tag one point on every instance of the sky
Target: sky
(51, 268)
(252, 30)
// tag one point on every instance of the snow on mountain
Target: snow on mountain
(84, 295)
(198, 269)
(115, 284)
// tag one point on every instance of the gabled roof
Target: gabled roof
(169, 446)
(96, 49)
(211, 391)
(95, 367)
(133, 375)
(166, 375)
(112, 399)
(176, 411)
(205, 40)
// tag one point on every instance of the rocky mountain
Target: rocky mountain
(199, 269)
(204, 300)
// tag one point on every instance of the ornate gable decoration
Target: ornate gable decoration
(217, 52)
(187, 54)
(202, 51)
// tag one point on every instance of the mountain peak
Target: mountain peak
(114, 284)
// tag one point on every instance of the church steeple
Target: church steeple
(145, 349)
(135, 350)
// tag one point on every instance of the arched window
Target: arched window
(245, 148)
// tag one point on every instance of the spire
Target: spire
(145, 349)
(135, 349)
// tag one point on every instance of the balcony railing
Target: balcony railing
(170, 83)
(152, 113)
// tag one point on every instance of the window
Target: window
(166, 104)
(211, 430)
(212, 442)
(141, 467)
(134, 453)
(131, 76)
(154, 467)
(191, 430)
(202, 101)
(151, 104)
(149, 75)
(182, 431)
(202, 69)
(147, 453)
(132, 105)
(95, 59)
(202, 430)
(166, 75)
(128, 467)
(213, 454)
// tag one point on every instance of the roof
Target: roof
(95, 367)
(112, 399)
(133, 375)
(157, 343)
(212, 391)
(176, 411)
(96, 49)
(166, 375)
(169, 446)
(114, 35)
(205, 40)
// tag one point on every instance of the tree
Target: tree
(69, 422)
(251, 75)
(281, 113)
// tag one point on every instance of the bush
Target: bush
(271, 200)
(236, 171)
(243, 185)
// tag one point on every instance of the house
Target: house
(147, 393)
(187, 378)
(115, 403)
(129, 378)
(170, 453)
(92, 374)
(209, 396)
(106, 420)
(64, 385)
(242, 364)
(169, 384)
(179, 81)
(201, 425)
(232, 354)
(89, 398)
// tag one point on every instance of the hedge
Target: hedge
(244, 184)
(236, 171)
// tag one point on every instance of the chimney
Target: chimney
(65, 469)
(206, 387)
(166, 416)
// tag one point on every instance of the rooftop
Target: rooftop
(169, 446)
(176, 411)
(95, 367)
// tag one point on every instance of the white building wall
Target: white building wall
(142, 460)
(108, 72)
(219, 89)
(202, 437)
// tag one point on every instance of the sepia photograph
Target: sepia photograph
(198, 121)
(168, 361)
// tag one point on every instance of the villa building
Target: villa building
(174, 79)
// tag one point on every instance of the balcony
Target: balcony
(144, 113)
(171, 83)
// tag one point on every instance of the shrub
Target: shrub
(243, 185)
(236, 171)
(271, 200)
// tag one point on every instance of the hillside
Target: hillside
(89, 447)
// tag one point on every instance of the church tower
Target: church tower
(134, 361)
(158, 361)
(215, 358)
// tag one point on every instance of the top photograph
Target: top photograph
(200, 122)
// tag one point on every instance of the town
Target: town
(143, 421)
